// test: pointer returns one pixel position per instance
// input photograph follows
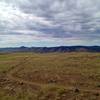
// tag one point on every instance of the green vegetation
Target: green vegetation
(50, 76)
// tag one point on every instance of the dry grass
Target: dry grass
(52, 76)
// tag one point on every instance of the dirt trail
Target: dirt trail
(15, 68)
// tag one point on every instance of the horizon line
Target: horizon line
(52, 46)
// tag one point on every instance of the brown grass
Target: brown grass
(52, 76)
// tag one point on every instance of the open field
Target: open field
(50, 76)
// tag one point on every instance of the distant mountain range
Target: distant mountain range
(52, 49)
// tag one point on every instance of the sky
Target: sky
(49, 23)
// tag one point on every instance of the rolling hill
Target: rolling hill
(53, 49)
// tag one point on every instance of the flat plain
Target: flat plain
(50, 76)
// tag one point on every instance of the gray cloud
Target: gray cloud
(70, 19)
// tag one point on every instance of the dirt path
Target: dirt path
(15, 69)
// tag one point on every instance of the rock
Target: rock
(21, 83)
(77, 90)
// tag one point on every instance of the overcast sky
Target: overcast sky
(49, 22)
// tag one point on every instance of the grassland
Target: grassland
(50, 76)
